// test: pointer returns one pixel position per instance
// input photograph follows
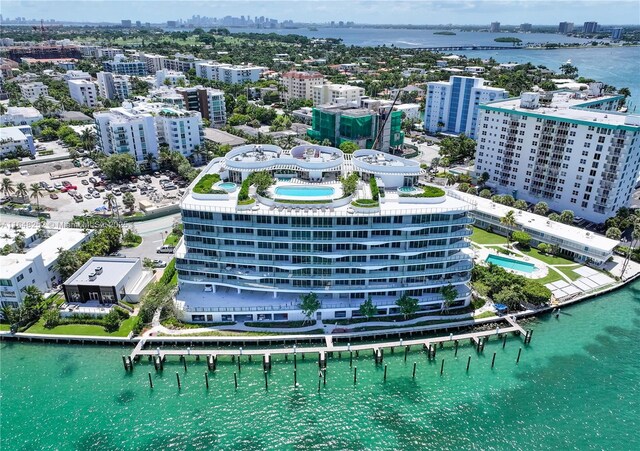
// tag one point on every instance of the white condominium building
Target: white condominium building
(125, 130)
(247, 260)
(104, 52)
(452, 106)
(181, 62)
(84, 92)
(564, 148)
(298, 85)
(209, 102)
(121, 65)
(180, 129)
(31, 91)
(153, 62)
(166, 77)
(16, 115)
(228, 73)
(332, 93)
(76, 75)
(113, 86)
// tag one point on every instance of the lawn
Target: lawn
(548, 259)
(569, 271)
(552, 276)
(5, 327)
(483, 237)
(82, 329)
(172, 239)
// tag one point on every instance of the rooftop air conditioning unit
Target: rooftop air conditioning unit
(92, 276)
(98, 270)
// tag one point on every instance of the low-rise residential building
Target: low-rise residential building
(122, 65)
(32, 91)
(333, 93)
(107, 281)
(181, 130)
(228, 73)
(37, 266)
(84, 92)
(12, 139)
(298, 85)
(181, 62)
(452, 106)
(571, 150)
(166, 77)
(208, 101)
(16, 115)
(76, 75)
(410, 111)
(113, 86)
(106, 52)
(153, 62)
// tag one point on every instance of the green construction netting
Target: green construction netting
(356, 127)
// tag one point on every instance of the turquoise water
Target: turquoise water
(407, 189)
(577, 386)
(227, 186)
(305, 191)
(510, 263)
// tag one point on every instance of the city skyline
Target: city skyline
(469, 12)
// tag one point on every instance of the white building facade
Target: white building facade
(125, 130)
(298, 85)
(228, 73)
(452, 106)
(575, 153)
(113, 86)
(180, 129)
(332, 93)
(31, 91)
(84, 92)
(247, 262)
(20, 116)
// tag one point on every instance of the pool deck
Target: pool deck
(541, 268)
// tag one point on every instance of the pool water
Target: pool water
(305, 191)
(407, 189)
(510, 263)
(227, 186)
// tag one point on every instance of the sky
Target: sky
(460, 12)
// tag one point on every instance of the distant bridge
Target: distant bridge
(467, 47)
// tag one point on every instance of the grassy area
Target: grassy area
(548, 259)
(569, 272)
(133, 243)
(177, 324)
(5, 327)
(172, 239)
(228, 333)
(484, 315)
(552, 276)
(82, 329)
(280, 324)
(483, 237)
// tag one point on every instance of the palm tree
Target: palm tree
(509, 220)
(111, 202)
(151, 160)
(7, 186)
(88, 138)
(198, 153)
(3, 109)
(36, 193)
(21, 191)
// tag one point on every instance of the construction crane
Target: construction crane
(43, 30)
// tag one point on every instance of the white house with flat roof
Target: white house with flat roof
(574, 242)
(248, 260)
(17, 115)
(13, 139)
(107, 280)
(36, 266)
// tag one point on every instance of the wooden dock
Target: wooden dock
(211, 355)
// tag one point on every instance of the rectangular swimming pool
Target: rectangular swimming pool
(510, 263)
(304, 191)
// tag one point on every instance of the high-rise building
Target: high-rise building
(113, 87)
(340, 123)
(125, 23)
(568, 149)
(251, 260)
(298, 85)
(617, 33)
(209, 102)
(526, 27)
(565, 27)
(590, 27)
(228, 73)
(181, 130)
(334, 93)
(495, 27)
(452, 106)
(154, 62)
(181, 62)
(84, 92)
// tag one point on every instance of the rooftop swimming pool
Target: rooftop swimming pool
(227, 185)
(304, 191)
(510, 263)
(408, 189)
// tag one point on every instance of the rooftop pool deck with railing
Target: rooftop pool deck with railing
(304, 191)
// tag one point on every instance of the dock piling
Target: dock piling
(206, 380)
(178, 379)
(266, 381)
(493, 360)
(455, 354)
(413, 376)
(295, 378)
(385, 372)
(355, 375)
(150, 381)
(468, 363)
(235, 379)
(519, 352)
(442, 367)
(504, 340)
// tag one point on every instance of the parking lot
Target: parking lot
(87, 193)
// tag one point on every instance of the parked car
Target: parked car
(170, 187)
(85, 182)
(96, 195)
(43, 185)
(91, 189)
(159, 264)
(116, 191)
(51, 189)
(58, 185)
(93, 180)
(5, 199)
(87, 196)
(66, 183)
(132, 188)
(7, 172)
(78, 198)
(165, 249)
(53, 196)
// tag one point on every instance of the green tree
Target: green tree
(119, 166)
(521, 204)
(129, 201)
(51, 318)
(541, 208)
(367, 308)
(510, 296)
(567, 216)
(111, 321)
(350, 184)
(522, 238)
(408, 305)
(554, 217)
(543, 248)
(309, 304)
(21, 191)
(509, 221)
(7, 186)
(349, 147)
(614, 233)
(449, 294)
(36, 191)
(485, 193)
